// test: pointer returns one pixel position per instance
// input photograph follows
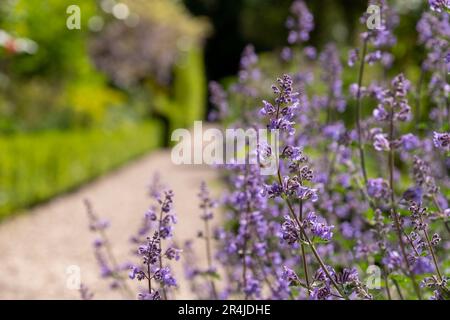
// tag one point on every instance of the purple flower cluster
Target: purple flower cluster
(281, 113)
(365, 210)
(442, 140)
(332, 76)
(318, 229)
(152, 252)
(207, 288)
(378, 188)
(434, 32)
(110, 269)
(348, 221)
(439, 5)
(300, 24)
(219, 101)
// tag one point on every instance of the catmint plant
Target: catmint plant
(156, 249)
(109, 266)
(345, 198)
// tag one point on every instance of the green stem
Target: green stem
(430, 247)
(209, 256)
(305, 265)
(419, 95)
(244, 253)
(309, 242)
(386, 280)
(397, 287)
(358, 113)
(160, 257)
(394, 208)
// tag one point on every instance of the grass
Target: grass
(34, 168)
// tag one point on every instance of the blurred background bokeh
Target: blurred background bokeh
(75, 104)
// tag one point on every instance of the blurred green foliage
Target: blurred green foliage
(62, 52)
(186, 102)
(64, 119)
(61, 85)
(36, 167)
(57, 86)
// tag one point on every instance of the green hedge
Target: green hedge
(34, 168)
(186, 101)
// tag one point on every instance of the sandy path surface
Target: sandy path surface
(38, 247)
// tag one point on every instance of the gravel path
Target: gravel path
(38, 247)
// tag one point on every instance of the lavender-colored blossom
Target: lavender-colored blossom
(380, 113)
(275, 230)
(253, 287)
(331, 75)
(306, 193)
(85, 293)
(300, 24)
(310, 52)
(353, 89)
(106, 261)
(152, 251)
(380, 142)
(248, 60)
(164, 276)
(286, 54)
(347, 276)
(409, 142)
(334, 131)
(400, 89)
(322, 293)
(218, 98)
(154, 295)
(414, 194)
(435, 239)
(290, 231)
(423, 265)
(173, 253)
(353, 57)
(442, 140)
(392, 260)
(378, 188)
(373, 57)
(281, 113)
(290, 276)
(319, 228)
(384, 35)
(206, 202)
(423, 176)
(439, 5)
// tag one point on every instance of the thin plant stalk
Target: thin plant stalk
(394, 208)
(419, 95)
(149, 279)
(430, 247)
(107, 246)
(244, 249)
(302, 230)
(309, 242)
(305, 264)
(358, 113)
(209, 256)
(397, 287)
(388, 292)
(160, 257)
